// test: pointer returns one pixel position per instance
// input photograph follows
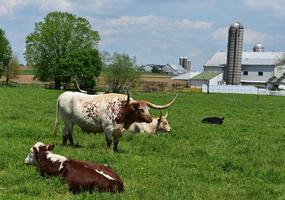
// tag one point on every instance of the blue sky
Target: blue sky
(156, 31)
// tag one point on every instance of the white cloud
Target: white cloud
(8, 7)
(62, 5)
(151, 24)
(188, 24)
(221, 34)
(277, 7)
(101, 6)
(250, 36)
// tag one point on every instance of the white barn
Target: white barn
(256, 67)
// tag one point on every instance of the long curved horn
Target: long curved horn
(128, 98)
(160, 116)
(151, 105)
(78, 88)
(166, 114)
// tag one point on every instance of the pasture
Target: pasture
(242, 159)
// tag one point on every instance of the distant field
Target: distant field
(26, 72)
(242, 159)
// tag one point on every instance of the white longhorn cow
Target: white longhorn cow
(112, 113)
(158, 124)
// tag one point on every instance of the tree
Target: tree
(59, 36)
(5, 52)
(281, 61)
(155, 69)
(82, 65)
(280, 66)
(106, 58)
(121, 73)
(12, 69)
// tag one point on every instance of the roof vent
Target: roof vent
(258, 48)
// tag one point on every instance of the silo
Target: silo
(188, 65)
(181, 61)
(234, 54)
(258, 48)
(185, 62)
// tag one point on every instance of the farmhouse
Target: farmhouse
(256, 67)
(167, 69)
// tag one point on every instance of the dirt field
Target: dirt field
(147, 83)
(25, 79)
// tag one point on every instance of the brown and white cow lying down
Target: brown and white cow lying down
(158, 124)
(79, 175)
(112, 113)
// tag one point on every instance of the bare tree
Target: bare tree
(12, 69)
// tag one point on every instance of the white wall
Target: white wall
(253, 73)
(240, 89)
(216, 79)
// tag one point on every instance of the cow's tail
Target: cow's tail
(56, 122)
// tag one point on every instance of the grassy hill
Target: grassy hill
(242, 159)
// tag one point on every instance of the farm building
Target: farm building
(208, 78)
(167, 69)
(184, 78)
(257, 67)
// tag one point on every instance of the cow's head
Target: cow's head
(162, 123)
(138, 111)
(34, 152)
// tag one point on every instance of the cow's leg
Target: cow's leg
(70, 138)
(108, 136)
(64, 137)
(108, 142)
(116, 142)
(67, 134)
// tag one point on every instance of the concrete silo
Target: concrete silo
(185, 63)
(234, 54)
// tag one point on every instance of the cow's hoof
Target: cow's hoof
(76, 145)
(116, 150)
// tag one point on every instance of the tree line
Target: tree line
(63, 48)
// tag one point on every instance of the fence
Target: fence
(241, 89)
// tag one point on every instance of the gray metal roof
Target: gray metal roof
(248, 58)
(176, 68)
(186, 76)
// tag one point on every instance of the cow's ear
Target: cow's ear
(50, 147)
(134, 107)
(35, 149)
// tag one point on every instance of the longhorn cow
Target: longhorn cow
(80, 175)
(112, 113)
(158, 124)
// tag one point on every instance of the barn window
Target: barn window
(245, 73)
(260, 73)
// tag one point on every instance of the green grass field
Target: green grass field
(242, 159)
(26, 72)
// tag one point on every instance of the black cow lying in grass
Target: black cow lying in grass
(79, 175)
(213, 120)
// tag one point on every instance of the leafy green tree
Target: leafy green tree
(121, 74)
(59, 36)
(12, 69)
(5, 52)
(82, 65)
